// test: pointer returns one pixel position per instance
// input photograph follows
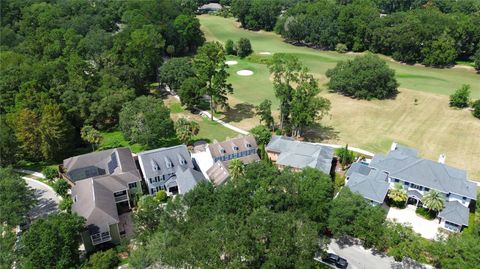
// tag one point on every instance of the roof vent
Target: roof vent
(394, 146)
(441, 158)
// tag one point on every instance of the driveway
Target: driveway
(47, 198)
(361, 258)
(426, 228)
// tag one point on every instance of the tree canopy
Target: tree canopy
(365, 77)
(16, 198)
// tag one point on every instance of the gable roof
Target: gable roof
(228, 146)
(165, 161)
(298, 154)
(455, 212)
(96, 203)
(373, 186)
(105, 162)
(218, 173)
(403, 163)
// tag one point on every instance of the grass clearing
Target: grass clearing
(114, 139)
(431, 125)
(416, 77)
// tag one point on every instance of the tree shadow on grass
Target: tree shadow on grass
(319, 133)
(239, 112)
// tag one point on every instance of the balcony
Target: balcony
(121, 198)
(101, 238)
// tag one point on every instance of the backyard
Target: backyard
(418, 117)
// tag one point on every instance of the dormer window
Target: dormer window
(183, 162)
(248, 145)
(235, 148)
(222, 150)
(155, 166)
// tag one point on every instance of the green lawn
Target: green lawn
(114, 139)
(442, 81)
(429, 125)
(213, 131)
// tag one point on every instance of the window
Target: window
(464, 198)
(396, 180)
(222, 151)
(235, 148)
(150, 179)
(120, 193)
(152, 190)
(249, 145)
(426, 189)
(132, 185)
(448, 195)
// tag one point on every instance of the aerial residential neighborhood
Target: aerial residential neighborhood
(240, 134)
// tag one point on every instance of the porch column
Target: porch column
(128, 199)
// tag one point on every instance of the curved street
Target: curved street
(47, 198)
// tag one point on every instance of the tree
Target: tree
(191, 92)
(16, 198)
(262, 134)
(476, 109)
(161, 196)
(264, 111)
(244, 48)
(235, 167)
(365, 77)
(189, 35)
(369, 226)
(460, 98)
(52, 242)
(103, 260)
(27, 125)
(175, 71)
(346, 156)
(147, 121)
(433, 200)
(66, 204)
(50, 173)
(230, 47)
(90, 135)
(398, 193)
(210, 66)
(56, 133)
(341, 48)
(61, 187)
(146, 217)
(476, 59)
(344, 210)
(441, 52)
(8, 143)
(186, 130)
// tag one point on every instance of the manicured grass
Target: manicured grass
(442, 81)
(431, 125)
(210, 130)
(176, 108)
(113, 139)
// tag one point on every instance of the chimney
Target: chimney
(394, 146)
(441, 158)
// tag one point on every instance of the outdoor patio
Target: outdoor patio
(426, 228)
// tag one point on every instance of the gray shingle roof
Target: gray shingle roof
(373, 186)
(455, 212)
(95, 203)
(228, 146)
(218, 173)
(172, 160)
(358, 168)
(404, 164)
(298, 154)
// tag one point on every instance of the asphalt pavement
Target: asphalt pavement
(47, 198)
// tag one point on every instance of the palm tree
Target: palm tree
(186, 130)
(398, 194)
(433, 200)
(235, 168)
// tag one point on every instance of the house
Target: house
(171, 169)
(402, 165)
(104, 184)
(287, 152)
(243, 148)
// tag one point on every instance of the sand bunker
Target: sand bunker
(231, 62)
(245, 73)
(265, 53)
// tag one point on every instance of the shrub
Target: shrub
(103, 260)
(61, 187)
(365, 77)
(161, 196)
(428, 214)
(460, 97)
(341, 48)
(476, 59)
(346, 156)
(230, 47)
(339, 182)
(50, 173)
(476, 110)
(262, 134)
(66, 204)
(244, 48)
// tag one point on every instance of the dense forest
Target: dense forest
(66, 64)
(432, 32)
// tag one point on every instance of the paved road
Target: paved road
(360, 258)
(47, 198)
